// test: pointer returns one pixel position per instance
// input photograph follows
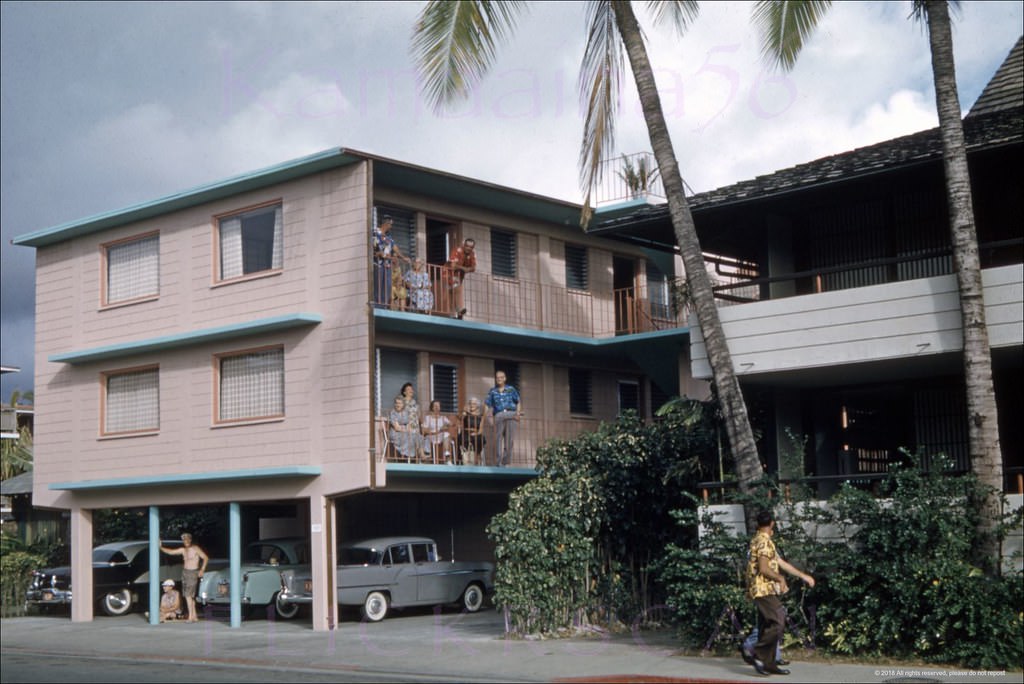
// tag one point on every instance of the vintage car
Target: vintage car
(262, 562)
(396, 572)
(120, 576)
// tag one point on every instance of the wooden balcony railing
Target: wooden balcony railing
(522, 303)
(457, 449)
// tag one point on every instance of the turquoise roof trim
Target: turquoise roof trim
(467, 329)
(429, 470)
(178, 340)
(253, 180)
(189, 478)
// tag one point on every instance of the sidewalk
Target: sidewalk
(448, 646)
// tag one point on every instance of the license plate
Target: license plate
(47, 595)
(222, 589)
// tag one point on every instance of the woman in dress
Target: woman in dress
(408, 395)
(436, 434)
(471, 437)
(403, 433)
(421, 295)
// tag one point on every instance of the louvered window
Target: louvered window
(133, 269)
(444, 386)
(580, 392)
(403, 228)
(132, 402)
(395, 367)
(576, 268)
(251, 242)
(251, 385)
(503, 254)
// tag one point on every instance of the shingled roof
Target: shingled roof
(1006, 89)
(996, 119)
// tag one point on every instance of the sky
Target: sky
(105, 105)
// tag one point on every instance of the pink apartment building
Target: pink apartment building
(222, 345)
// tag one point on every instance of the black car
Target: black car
(120, 578)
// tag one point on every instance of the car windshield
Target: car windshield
(359, 555)
(266, 553)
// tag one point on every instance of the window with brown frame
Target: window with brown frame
(250, 385)
(131, 270)
(131, 401)
(250, 242)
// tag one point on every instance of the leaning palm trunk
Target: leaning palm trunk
(983, 425)
(737, 423)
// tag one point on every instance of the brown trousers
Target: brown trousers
(773, 623)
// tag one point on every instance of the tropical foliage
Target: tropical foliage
(896, 574)
(578, 544)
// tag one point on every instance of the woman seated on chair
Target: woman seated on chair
(404, 433)
(436, 434)
(471, 433)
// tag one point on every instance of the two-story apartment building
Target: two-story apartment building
(223, 345)
(838, 296)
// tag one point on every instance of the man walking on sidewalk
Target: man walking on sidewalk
(765, 584)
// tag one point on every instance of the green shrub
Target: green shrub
(897, 581)
(15, 573)
(576, 545)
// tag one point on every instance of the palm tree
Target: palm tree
(785, 27)
(454, 45)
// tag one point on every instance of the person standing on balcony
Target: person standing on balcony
(506, 408)
(765, 584)
(385, 251)
(461, 262)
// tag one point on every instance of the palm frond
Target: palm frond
(454, 44)
(785, 27)
(600, 75)
(681, 13)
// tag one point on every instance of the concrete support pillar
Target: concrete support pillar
(153, 599)
(323, 532)
(81, 565)
(235, 559)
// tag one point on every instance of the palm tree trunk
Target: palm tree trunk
(737, 423)
(983, 424)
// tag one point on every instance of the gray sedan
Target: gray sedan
(396, 572)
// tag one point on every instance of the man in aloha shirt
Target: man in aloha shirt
(384, 252)
(765, 584)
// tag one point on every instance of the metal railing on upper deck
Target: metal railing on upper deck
(486, 298)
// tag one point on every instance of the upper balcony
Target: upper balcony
(519, 303)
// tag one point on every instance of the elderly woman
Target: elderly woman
(404, 433)
(421, 296)
(436, 433)
(471, 433)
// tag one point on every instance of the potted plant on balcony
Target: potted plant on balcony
(638, 178)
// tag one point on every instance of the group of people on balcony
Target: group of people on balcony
(436, 439)
(414, 289)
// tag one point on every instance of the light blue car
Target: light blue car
(262, 563)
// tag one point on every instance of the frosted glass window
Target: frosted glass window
(133, 269)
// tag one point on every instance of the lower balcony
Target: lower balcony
(460, 447)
